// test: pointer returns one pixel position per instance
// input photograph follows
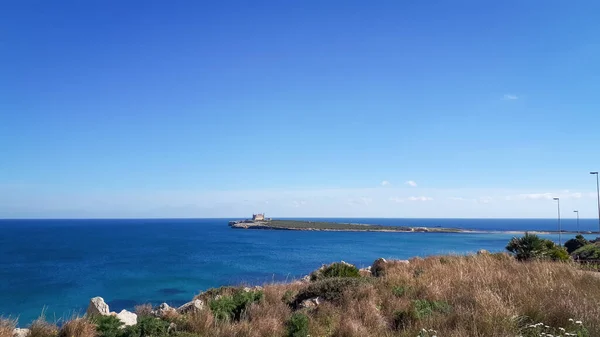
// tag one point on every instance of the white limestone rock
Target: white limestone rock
(97, 307)
(128, 318)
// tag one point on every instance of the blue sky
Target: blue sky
(311, 108)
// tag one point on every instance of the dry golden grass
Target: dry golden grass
(7, 326)
(171, 316)
(458, 296)
(143, 309)
(485, 295)
(199, 322)
(41, 328)
(79, 327)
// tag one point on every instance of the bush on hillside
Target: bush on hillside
(559, 254)
(330, 289)
(531, 246)
(576, 243)
(297, 325)
(108, 326)
(337, 269)
(340, 270)
(147, 327)
(231, 307)
(587, 252)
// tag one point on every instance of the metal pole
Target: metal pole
(578, 231)
(598, 194)
(559, 230)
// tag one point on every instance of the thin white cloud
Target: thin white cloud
(385, 183)
(399, 200)
(485, 200)
(411, 183)
(550, 196)
(510, 97)
(297, 203)
(458, 199)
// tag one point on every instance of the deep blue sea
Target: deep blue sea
(60, 264)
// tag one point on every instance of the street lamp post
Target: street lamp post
(598, 193)
(559, 229)
(578, 232)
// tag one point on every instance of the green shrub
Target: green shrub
(231, 307)
(576, 243)
(297, 325)
(558, 254)
(337, 269)
(425, 308)
(287, 297)
(400, 291)
(147, 327)
(587, 252)
(531, 246)
(340, 270)
(108, 326)
(330, 289)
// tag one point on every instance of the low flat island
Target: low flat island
(307, 225)
(259, 221)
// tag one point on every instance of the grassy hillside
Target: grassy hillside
(450, 296)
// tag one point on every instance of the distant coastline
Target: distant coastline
(305, 225)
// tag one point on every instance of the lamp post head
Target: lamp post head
(556, 199)
(593, 172)
(575, 211)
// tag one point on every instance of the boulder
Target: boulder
(97, 307)
(20, 332)
(310, 303)
(128, 318)
(195, 305)
(365, 271)
(162, 310)
(379, 266)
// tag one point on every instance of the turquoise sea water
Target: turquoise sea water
(60, 264)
